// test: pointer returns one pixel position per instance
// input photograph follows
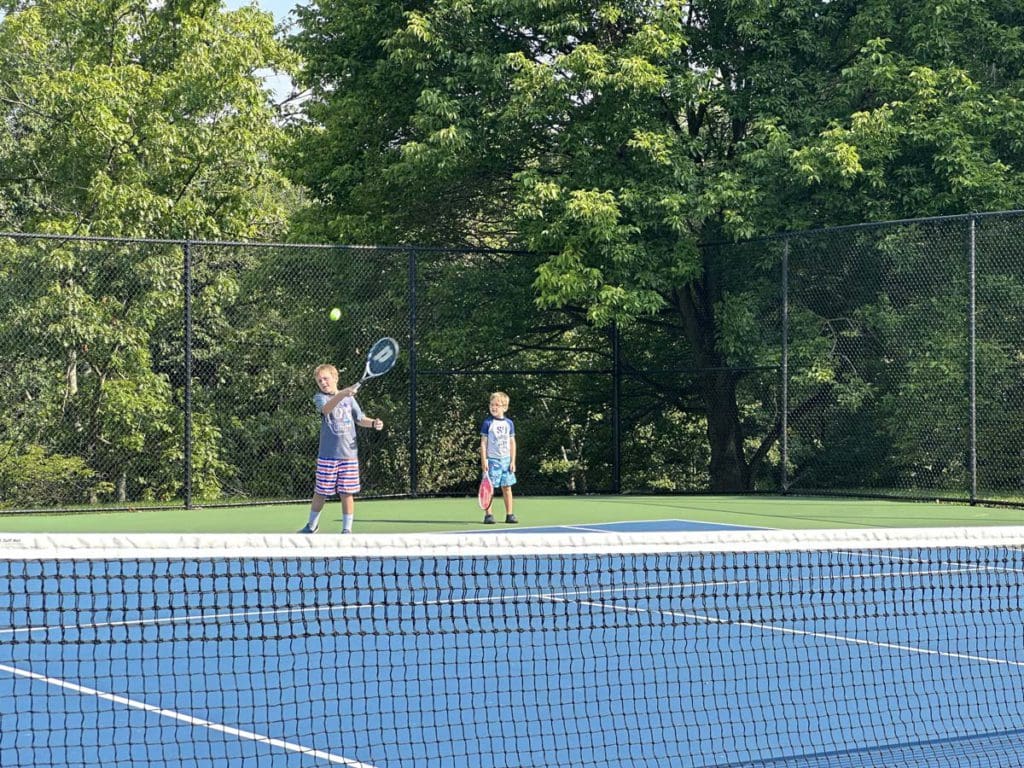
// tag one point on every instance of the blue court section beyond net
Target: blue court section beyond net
(518, 651)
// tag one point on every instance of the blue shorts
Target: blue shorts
(337, 476)
(498, 471)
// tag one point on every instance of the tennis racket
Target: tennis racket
(485, 493)
(380, 359)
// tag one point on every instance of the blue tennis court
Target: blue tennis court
(845, 656)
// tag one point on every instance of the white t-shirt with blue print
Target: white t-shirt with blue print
(499, 434)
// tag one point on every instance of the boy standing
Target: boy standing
(498, 453)
(337, 464)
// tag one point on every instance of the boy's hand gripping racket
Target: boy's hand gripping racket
(485, 492)
(379, 360)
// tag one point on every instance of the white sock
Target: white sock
(314, 519)
(346, 523)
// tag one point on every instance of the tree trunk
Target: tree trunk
(71, 374)
(729, 472)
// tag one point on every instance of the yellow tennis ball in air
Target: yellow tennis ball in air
(335, 314)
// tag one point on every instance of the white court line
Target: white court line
(737, 582)
(559, 597)
(185, 619)
(198, 617)
(194, 721)
(611, 526)
(533, 528)
(806, 633)
(714, 526)
(499, 598)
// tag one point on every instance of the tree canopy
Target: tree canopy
(617, 137)
(134, 119)
(127, 119)
(622, 122)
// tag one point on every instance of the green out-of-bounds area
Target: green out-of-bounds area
(462, 514)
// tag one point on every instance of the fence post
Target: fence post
(616, 411)
(413, 459)
(187, 287)
(972, 382)
(784, 426)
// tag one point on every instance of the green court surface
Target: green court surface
(462, 514)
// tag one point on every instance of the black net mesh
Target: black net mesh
(699, 650)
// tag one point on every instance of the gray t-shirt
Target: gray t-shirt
(338, 428)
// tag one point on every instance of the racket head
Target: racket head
(381, 358)
(485, 493)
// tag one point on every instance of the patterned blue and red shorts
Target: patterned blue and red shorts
(337, 476)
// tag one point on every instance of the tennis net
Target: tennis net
(769, 648)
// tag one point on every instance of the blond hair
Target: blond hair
(501, 397)
(328, 368)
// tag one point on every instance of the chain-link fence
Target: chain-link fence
(919, 323)
(873, 360)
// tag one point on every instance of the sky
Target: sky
(280, 8)
(279, 84)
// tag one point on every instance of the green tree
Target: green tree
(142, 120)
(123, 119)
(617, 137)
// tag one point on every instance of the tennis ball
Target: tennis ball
(335, 314)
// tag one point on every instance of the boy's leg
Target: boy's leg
(506, 495)
(323, 488)
(314, 513)
(347, 486)
(348, 512)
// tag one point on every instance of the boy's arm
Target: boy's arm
(512, 454)
(361, 419)
(332, 403)
(483, 452)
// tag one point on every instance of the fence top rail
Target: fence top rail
(507, 251)
(789, 234)
(260, 244)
